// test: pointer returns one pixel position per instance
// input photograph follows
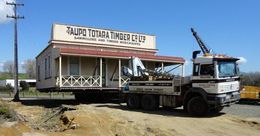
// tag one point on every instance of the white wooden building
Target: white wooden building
(84, 58)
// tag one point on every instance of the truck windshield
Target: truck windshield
(227, 69)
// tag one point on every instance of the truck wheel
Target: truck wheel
(197, 106)
(150, 102)
(133, 101)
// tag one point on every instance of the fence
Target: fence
(78, 81)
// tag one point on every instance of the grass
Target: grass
(32, 92)
(4, 75)
(6, 113)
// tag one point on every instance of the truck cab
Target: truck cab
(216, 79)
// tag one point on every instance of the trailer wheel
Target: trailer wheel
(150, 102)
(133, 101)
(197, 106)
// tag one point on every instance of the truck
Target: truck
(214, 84)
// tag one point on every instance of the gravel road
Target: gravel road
(243, 110)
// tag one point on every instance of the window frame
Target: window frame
(196, 69)
(78, 63)
(211, 74)
(49, 66)
(39, 72)
(45, 68)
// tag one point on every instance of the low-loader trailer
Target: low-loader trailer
(214, 83)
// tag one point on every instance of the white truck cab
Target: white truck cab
(218, 76)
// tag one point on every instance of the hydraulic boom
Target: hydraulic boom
(203, 47)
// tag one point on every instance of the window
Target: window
(227, 69)
(46, 68)
(38, 73)
(74, 65)
(49, 66)
(207, 69)
(196, 70)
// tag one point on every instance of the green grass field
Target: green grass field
(4, 76)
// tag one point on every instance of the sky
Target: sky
(230, 27)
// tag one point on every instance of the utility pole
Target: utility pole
(15, 17)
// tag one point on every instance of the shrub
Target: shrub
(9, 87)
(24, 85)
(251, 79)
(6, 113)
(6, 88)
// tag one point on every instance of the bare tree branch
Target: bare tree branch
(8, 67)
(29, 67)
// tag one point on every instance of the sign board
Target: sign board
(102, 36)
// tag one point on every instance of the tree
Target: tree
(29, 67)
(252, 79)
(24, 85)
(8, 67)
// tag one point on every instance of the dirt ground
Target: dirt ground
(116, 120)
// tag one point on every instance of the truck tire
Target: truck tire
(133, 101)
(197, 106)
(150, 102)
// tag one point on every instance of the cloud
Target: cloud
(5, 10)
(22, 63)
(187, 63)
(1, 66)
(241, 60)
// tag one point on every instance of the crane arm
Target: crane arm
(203, 47)
(137, 68)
